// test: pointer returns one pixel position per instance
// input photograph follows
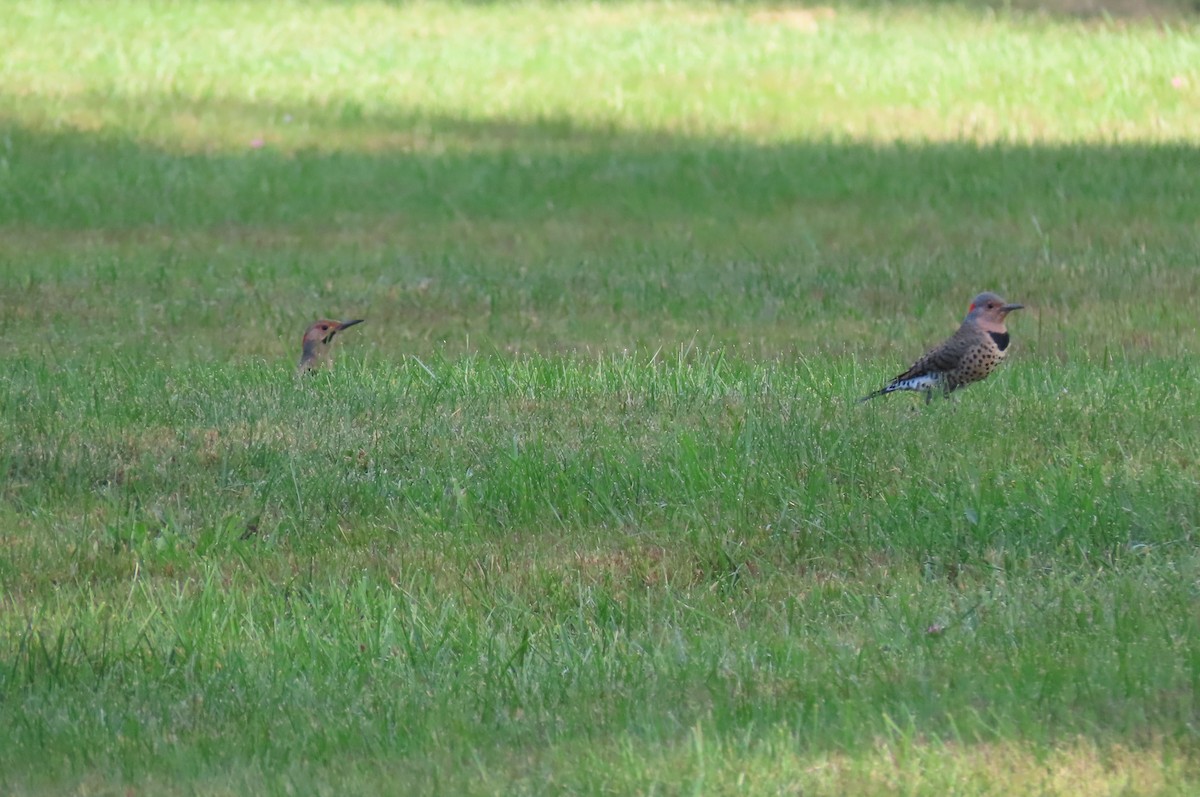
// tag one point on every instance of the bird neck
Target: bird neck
(313, 351)
(991, 325)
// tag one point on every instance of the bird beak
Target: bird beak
(345, 324)
(1008, 308)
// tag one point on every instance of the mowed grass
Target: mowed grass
(587, 505)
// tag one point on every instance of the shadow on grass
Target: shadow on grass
(437, 168)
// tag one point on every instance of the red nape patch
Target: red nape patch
(971, 309)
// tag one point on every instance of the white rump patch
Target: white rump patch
(923, 382)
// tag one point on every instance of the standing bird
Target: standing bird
(969, 355)
(318, 339)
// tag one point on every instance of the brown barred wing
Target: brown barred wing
(942, 358)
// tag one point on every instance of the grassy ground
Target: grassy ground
(587, 505)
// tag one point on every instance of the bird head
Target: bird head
(989, 309)
(317, 339)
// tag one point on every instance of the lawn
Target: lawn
(587, 505)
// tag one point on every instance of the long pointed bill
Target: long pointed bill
(340, 326)
(1008, 308)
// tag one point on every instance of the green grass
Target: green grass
(587, 505)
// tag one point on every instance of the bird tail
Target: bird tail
(883, 391)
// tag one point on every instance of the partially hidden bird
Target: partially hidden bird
(967, 356)
(318, 339)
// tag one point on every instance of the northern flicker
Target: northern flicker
(969, 355)
(318, 339)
